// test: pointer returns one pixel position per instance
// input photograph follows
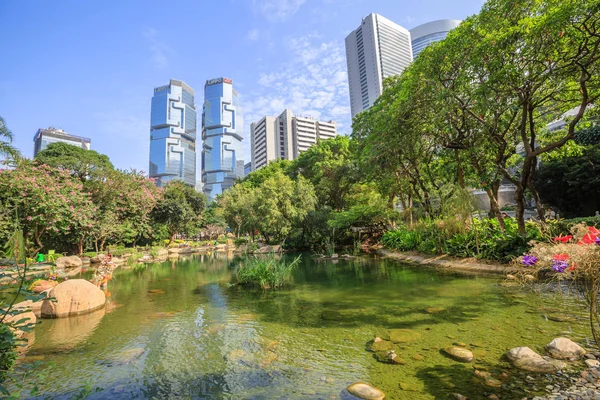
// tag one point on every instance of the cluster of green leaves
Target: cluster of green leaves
(180, 209)
(568, 184)
(483, 239)
(265, 272)
(309, 202)
(71, 199)
(473, 109)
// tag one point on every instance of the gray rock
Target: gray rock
(526, 359)
(365, 391)
(565, 349)
(68, 262)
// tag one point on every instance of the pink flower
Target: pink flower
(29, 218)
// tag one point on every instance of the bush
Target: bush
(8, 353)
(90, 254)
(265, 272)
(563, 227)
(481, 239)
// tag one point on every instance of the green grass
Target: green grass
(265, 272)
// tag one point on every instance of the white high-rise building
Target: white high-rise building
(378, 48)
(431, 32)
(285, 137)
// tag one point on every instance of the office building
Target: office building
(173, 134)
(431, 32)
(44, 137)
(247, 168)
(285, 137)
(377, 49)
(222, 133)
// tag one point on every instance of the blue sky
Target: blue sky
(89, 67)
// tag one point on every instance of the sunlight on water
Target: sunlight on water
(178, 330)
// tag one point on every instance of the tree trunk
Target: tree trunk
(460, 173)
(520, 200)
(495, 205)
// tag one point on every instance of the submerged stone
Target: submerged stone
(389, 357)
(459, 353)
(380, 345)
(404, 335)
(365, 391)
(526, 359)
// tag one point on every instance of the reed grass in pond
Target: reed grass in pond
(265, 272)
(179, 330)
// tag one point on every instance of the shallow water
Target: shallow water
(178, 329)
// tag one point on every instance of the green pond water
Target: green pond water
(178, 330)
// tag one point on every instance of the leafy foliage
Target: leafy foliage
(265, 272)
(566, 184)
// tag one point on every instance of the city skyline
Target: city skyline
(100, 89)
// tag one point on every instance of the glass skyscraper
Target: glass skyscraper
(431, 32)
(173, 134)
(222, 133)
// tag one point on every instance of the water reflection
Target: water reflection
(181, 331)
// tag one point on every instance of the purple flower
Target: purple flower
(559, 266)
(530, 261)
(598, 240)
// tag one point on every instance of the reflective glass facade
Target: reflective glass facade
(431, 32)
(222, 133)
(44, 137)
(173, 134)
(419, 44)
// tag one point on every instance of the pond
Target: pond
(179, 329)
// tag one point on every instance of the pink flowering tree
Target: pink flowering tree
(47, 202)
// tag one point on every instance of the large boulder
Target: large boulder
(565, 349)
(526, 359)
(68, 262)
(72, 297)
(29, 305)
(365, 391)
(98, 258)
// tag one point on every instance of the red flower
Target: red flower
(594, 231)
(572, 267)
(563, 239)
(560, 257)
(588, 239)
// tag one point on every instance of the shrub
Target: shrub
(265, 272)
(8, 353)
(480, 239)
(90, 254)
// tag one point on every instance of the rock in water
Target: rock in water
(379, 345)
(404, 335)
(459, 353)
(68, 262)
(365, 391)
(72, 297)
(565, 349)
(526, 359)
(42, 285)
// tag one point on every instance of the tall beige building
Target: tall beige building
(285, 137)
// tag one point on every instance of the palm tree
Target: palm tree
(6, 137)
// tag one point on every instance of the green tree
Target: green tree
(282, 204)
(180, 209)
(81, 163)
(6, 138)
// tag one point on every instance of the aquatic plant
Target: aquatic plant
(266, 272)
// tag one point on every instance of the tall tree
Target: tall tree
(6, 138)
(81, 163)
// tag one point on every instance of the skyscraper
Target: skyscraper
(431, 32)
(44, 137)
(378, 48)
(222, 132)
(173, 134)
(285, 136)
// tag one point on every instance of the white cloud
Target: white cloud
(159, 50)
(313, 83)
(278, 10)
(253, 35)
